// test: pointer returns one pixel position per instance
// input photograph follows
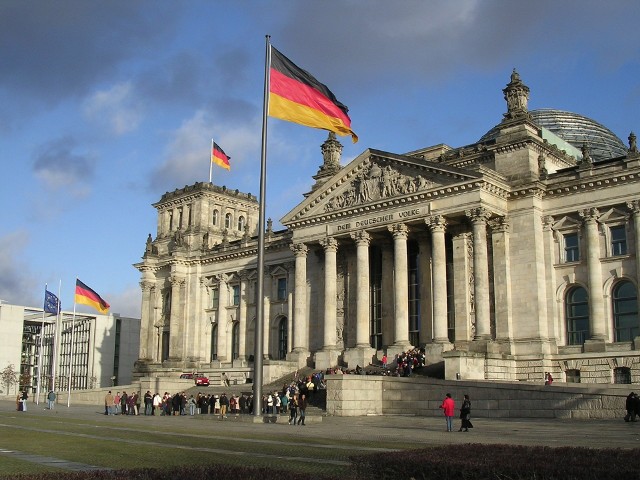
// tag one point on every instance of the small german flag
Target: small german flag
(87, 296)
(296, 96)
(219, 157)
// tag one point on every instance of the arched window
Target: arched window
(166, 304)
(235, 341)
(216, 217)
(241, 223)
(214, 342)
(625, 311)
(227, 220)
(577, 315)
(283, 336)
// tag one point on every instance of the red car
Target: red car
(198, 378)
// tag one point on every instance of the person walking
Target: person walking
(224, 405)
(448, 408)
(23, 399)
(630, 406)
(465, 415)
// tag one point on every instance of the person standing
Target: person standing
(448, 408)
(465, 415)
(548, 378)
(302, 406)
(293, 409)
(224, 405)
(23, 399)
(108, 403)
(51, 399)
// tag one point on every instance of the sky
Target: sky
(107, 105)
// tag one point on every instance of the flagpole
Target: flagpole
(40, 349)
(73, 326)
(55, 341)
(257, 357)
(210, 162)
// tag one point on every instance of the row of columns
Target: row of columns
(437, 226)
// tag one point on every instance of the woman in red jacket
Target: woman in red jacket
(448, 407)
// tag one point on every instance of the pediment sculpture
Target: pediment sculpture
(376, 183)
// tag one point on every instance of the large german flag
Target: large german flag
(296, 96)
(219, 157)
(87, 296)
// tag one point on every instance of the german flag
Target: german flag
(86, 296)
(219, 157)
(296, 96)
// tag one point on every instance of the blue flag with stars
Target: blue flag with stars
(51, 303)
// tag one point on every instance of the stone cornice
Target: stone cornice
(590, 183)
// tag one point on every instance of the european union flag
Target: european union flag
(51, 303)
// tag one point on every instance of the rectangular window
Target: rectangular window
(571, 248)
(236, 295)
(282, 289)
(215, 296)
(618, 240)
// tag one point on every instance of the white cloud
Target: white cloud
(127, 302)
(16, 281)
(117, 107)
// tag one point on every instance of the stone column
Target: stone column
(596, 300)
(330, 246)
(300, 335)
(146, 322)
(479, 217)
(291, 281)
(242, 316)
(426, 296)
(221, 316)
(175, 332)
(557, 321)
(502, 280)
(362, 240)
(437, 225)
(362, 354)
(401, 285)
(634, 206)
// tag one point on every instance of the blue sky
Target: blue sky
(106, 105)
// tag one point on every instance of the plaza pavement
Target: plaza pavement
(385, 430)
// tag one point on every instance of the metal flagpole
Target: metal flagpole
(40, 350)
(211, 162)
(73, 327)
(56, 339)
(257, 357)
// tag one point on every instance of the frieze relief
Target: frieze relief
(377, 182)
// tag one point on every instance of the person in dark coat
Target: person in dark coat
(465, 415)
(630, 405)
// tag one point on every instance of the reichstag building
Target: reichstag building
(504, 259)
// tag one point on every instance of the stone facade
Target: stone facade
(356, 395)
(505, 259)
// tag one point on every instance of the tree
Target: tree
(9, 376)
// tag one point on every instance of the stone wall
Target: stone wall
(355, 395)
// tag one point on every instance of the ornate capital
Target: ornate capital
(478, 215)
(589, 215)
(634, 206)
(222, 278)
(299, 249)
(499, 225)
(146, 286)
(399, 230)
(329, 244)
(436, 223)
(176, 281)
(547, 222)
(361, 238)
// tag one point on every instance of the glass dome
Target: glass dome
(576, 130)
